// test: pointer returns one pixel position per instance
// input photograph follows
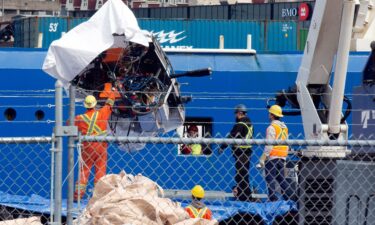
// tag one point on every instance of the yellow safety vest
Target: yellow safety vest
(196, 149)
(249, 134)
(93, 128)
(198, 213)
(281, 134)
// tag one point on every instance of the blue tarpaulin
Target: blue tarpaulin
(221, 210)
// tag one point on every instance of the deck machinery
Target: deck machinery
(324, 198)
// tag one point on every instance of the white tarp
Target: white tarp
(70, 54)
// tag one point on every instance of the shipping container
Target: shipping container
(205, 33)
(214, 12)
(257, 12)
(289, 11)
(73, 22)
(171, 33)
(169, 13)
(141, 12)
(302, 39)
(281, 36)
(32, 32)
(265, 36)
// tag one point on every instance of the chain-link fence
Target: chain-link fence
(154, 180)
(25, 171)
(157, 184)
(238, 190)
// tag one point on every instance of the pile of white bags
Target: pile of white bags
(126, 199)
(24, 221)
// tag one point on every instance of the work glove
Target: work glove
(262, 160)
(260, 165)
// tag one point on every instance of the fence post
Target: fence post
(58, 153)
(71, 157)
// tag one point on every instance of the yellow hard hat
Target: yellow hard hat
(197, 191)
(90, 102)
(276, 110)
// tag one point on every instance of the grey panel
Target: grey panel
(370, 210)
(256, 11)
(336, 192)
(141, 12)
(354, 208)
(155, 13)
(354, 193)
(316, 191)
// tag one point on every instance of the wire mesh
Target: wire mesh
(295, 190)
(25, 171)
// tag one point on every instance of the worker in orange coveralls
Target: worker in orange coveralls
(93, 122)
(197, 209)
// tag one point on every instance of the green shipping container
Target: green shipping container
(302, 39)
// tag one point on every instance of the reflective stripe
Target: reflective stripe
(202, 212)
(110, 102)
(249, 134)
(92, 123)
(92, 126)
(281, 134)
(81, 187)
(198, 213)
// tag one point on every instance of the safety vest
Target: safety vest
(93, 128)
(196, 149)
(281, 134)
(249, 134)
(197, 213)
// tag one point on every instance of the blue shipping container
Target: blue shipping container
(52, 29)
(31, 30)
(73, 22)
(205, 33)
(200, 33)
(281, 36)
(266, 36)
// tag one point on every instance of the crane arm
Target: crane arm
(327, 46)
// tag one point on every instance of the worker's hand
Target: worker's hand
(260, 165)
(262, 160)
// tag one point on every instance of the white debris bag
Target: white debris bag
(24, 221)
(126, 199)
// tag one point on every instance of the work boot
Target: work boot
(80, 191)
(81, 195)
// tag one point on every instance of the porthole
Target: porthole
(10, 114)
(39, 115)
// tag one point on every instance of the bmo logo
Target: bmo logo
(302, 12)
(290, 12)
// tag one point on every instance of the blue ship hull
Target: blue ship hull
(236, 79)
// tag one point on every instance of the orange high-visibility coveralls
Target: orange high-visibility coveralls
(93, 122)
